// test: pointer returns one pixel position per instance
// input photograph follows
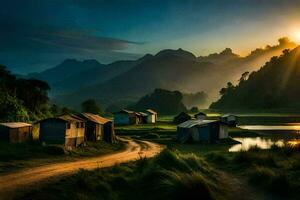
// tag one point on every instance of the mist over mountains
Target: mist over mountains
(123, 82)
(274, 86)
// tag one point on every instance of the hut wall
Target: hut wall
(121, 118)
(52, 131)
(204, 133)
(108, 132)
(74, 134)
(4, 133)
(151, 118)
(21, 134)
(223, 131)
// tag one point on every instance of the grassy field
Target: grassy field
(20, 155)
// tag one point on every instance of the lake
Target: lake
(283, 134)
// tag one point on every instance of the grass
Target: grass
(275, 171)
(15, 156)
(170, 175)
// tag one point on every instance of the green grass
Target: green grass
(170, 175)
(15, 156)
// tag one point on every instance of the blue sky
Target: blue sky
(38, 34)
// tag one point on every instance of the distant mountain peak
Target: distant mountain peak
(179, 52)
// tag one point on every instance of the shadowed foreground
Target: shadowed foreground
(17, 180)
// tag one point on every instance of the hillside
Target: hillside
(66, 69)
(274, 86)
(175, 70)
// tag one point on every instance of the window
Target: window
(68, 125)
(77, 125)
(82, 125)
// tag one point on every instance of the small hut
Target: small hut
(125, 117)
(98, 128)
(182, 117)
(207, 131)
(15, 132)
(152, 116)
(228, 119)
(66, 129)
(200, 116)
(142, 117)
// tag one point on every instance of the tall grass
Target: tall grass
(170, 175)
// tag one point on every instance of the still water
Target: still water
(287, 127)
(267, 142)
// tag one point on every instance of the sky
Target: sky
(39, 34)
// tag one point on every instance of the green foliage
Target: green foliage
(274, 86)
(91, 106)
(22, 99)
(11, 108)
(163, 101)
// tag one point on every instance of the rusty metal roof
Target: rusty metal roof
(192, 123)
(15, 124)
(96, 118)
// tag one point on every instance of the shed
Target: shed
(229, 119)
(207, 131)
(15, 132)
(182, 117)
(152, 116)
(200, 116)
(142, 117)
(98, 128)
(68, 130)
(124, 117)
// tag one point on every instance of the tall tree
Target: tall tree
(91, 106)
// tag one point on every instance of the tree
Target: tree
(194, 109)
(91, 106)
(163, 101)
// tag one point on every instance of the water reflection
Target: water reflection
(263, 143)
(288, 127)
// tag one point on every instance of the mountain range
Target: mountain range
(123, 82)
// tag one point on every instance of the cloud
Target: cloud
(283, 43)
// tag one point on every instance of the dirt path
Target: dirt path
(24, 178)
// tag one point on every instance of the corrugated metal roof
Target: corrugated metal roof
(70, 118)
(15, 124)
(96, 118)
(143, 114)
(151, 111)
(227, 115)
(125, 111)
(192, 123)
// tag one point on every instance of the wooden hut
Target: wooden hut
(207, 131)
(98, 128)
(228, 119)
(152, 116)
(143, 117)
(66, 129)
(124, 117)
(200, 116)
(15, 132)
(182, 117)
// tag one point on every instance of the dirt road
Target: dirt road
(11, 182)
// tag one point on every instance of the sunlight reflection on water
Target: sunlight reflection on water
(262, 143)
(270, 128)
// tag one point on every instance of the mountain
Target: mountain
(66, 69)
(274, 86)
(95, 75)
(175, 70)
